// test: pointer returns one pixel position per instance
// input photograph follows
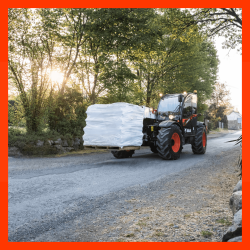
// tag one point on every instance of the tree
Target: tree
(115, 55)
(181, 60)
(28, 63)
(40, 41)
(112, 35)
(221, 21)
(67, 112)
(219, 105)
(68, 28)
(15, 112)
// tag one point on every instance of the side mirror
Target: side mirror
(198, 114)
(180, 98)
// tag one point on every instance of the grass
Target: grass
(132, 200)
(186, 216)
(224, 221)
(158, 234)
(130, 235)
(81, 152)
(26, 142)
(142, 224)
(206, 234)
(120, 240)
(218, 130)
(18, 136)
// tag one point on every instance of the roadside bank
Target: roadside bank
(62, 147)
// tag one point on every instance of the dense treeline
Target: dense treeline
(102, 56)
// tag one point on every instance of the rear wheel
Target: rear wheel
(200, 141)
(123, 154)
(169, 142)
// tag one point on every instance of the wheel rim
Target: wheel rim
(176, 142)
(204, 139)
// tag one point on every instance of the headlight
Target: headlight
(171, 117)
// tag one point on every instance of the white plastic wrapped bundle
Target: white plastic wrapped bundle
(117, 124)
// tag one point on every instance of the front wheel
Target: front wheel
(200, 141)
(123, 154)
(169, 142)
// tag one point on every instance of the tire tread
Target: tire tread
(164, 143)
(197, 146)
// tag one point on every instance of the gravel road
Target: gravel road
(95, 197)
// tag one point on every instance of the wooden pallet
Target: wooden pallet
(112, 147)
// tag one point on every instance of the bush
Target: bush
(67, 112)
(15, 113)
(17, 137)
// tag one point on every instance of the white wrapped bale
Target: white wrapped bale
(117, 124)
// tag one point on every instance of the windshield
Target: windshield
(169, 104)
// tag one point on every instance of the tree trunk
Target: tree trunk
(148, 93)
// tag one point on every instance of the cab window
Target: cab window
(194, 104)
(187, 108)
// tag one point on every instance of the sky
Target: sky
(230, 72)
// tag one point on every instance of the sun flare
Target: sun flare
(56, 76)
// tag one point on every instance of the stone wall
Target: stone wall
(47, 147)
(234, 233)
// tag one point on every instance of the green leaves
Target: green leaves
(109, 55)
(67, 112)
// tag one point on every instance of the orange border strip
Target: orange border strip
(4, 123)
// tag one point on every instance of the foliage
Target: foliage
(15, 113)
(67, 30)
(113, 35)
(105, 56)
(225, 22)
(239, 141)
(206, 234)
(67, 112)
(179, 61)
(28, 65)
(219, 106)
(17, 136)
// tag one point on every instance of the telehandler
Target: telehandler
(174, 124)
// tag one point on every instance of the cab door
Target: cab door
(189, 114)
(194, 113)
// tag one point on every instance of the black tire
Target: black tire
(123, 154)
(153, 148)
(169, 148)
(200, 141)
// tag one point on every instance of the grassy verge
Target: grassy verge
(218, 130)
(74, 153)
(81, 152)
(19, 137)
